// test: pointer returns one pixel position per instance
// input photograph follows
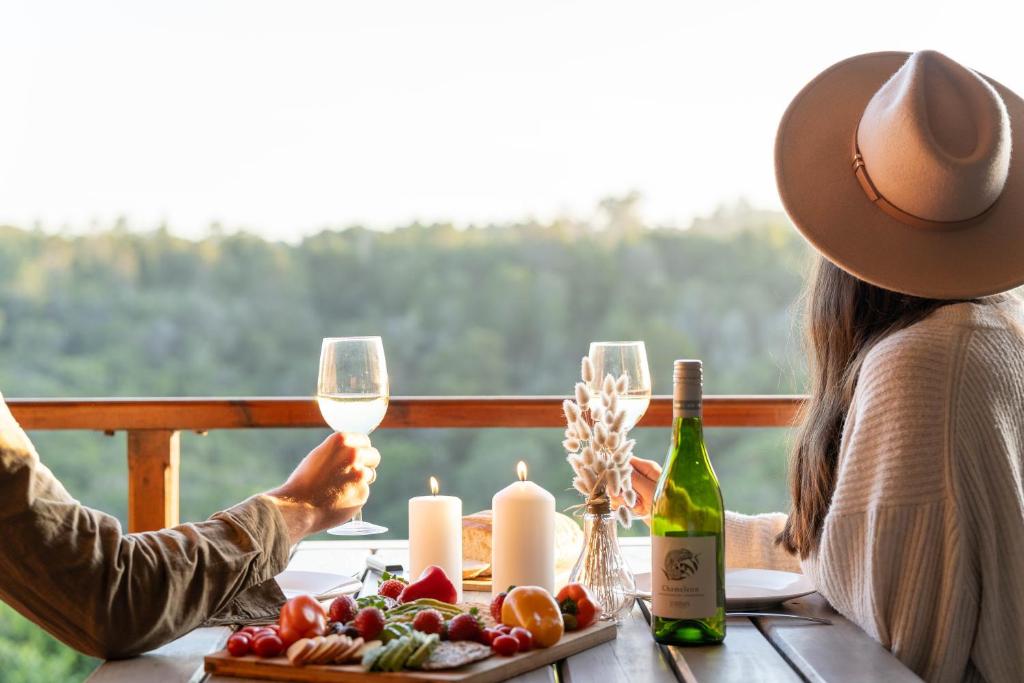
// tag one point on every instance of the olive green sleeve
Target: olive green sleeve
(71, 569)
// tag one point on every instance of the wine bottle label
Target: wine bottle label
(684, 576)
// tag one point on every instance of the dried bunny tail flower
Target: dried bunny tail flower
(613, 440)
(570, 432)
(589, 479)
(582, 428)
(596, 413)
(598, 467)
(571, 410)
(575, 462)
(605, 400)
(587, 369)
(600, 434)
(613, 403)
(578, 484)
(625, 516)
(614, 482)
(629, 498)
(587, 455)
(582, 394)
(619, 421)
(622, 384)
(608, 388)
(608, 418)
(573, 445)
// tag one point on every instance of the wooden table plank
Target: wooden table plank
(744, 656)
(633, 656)
(837, 653)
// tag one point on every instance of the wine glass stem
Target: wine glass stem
(358, 516)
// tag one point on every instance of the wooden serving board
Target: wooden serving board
(489, 670)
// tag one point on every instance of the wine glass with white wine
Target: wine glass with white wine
(352, 391)
(627, 358)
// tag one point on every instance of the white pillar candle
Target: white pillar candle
(523, 536)
(435, 535)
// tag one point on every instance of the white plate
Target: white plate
(750, 588)
(320, 585)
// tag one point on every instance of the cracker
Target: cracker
(340, 644)
(352, 652)
(323, 644)
(299, 651)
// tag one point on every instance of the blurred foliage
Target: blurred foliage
(504, 309)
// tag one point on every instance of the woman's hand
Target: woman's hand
(329, 486)
(645, 478)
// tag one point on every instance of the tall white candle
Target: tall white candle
(523, 536)
(435, 535)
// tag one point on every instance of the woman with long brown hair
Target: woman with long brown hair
(906, 485)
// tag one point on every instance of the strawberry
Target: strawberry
(391, 588)
(496, 604)
(463, 627)
(370, 622)
(428, 621)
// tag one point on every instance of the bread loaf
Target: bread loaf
(476, 540)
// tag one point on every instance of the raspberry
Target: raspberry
(370, 622)
(391, 588)
(428, 621)
(463, 627)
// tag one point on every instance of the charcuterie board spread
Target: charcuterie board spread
(487, 671)
(416, 631)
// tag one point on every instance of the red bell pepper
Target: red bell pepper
(433, 583)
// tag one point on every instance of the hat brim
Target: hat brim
(826, 203)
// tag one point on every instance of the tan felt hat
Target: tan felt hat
(907, 171)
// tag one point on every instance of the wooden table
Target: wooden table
(758, 649)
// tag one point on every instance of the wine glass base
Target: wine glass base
(357, 527)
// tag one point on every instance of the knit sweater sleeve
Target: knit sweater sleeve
(750, 542)
(892, 552)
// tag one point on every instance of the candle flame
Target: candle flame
(434, 486)
(521, 470)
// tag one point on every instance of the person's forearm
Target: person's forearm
(750, 542)
(300, 518)
(72, 571)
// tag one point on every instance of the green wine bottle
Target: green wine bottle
(688, 528)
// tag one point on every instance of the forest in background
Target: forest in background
(500, 309)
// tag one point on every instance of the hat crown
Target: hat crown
(935, 139)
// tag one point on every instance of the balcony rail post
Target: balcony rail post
(153, 471)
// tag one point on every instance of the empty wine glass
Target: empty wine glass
(627, 358)
(352, 391)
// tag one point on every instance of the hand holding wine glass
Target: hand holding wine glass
(353, 392)
(329, 485)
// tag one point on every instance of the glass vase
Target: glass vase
(601, 567)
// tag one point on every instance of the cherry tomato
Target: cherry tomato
(239, 644)
(506, 630)
(506, 646)
(491, 633)
(254, 631)
(524, 637)
(302, 617)
(268, 645)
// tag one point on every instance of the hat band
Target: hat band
(860, 170)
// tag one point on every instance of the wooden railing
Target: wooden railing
(153, 426)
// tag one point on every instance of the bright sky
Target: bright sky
(285, 117)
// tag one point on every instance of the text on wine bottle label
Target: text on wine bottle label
(684, 576)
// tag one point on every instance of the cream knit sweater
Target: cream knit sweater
(923, 545)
